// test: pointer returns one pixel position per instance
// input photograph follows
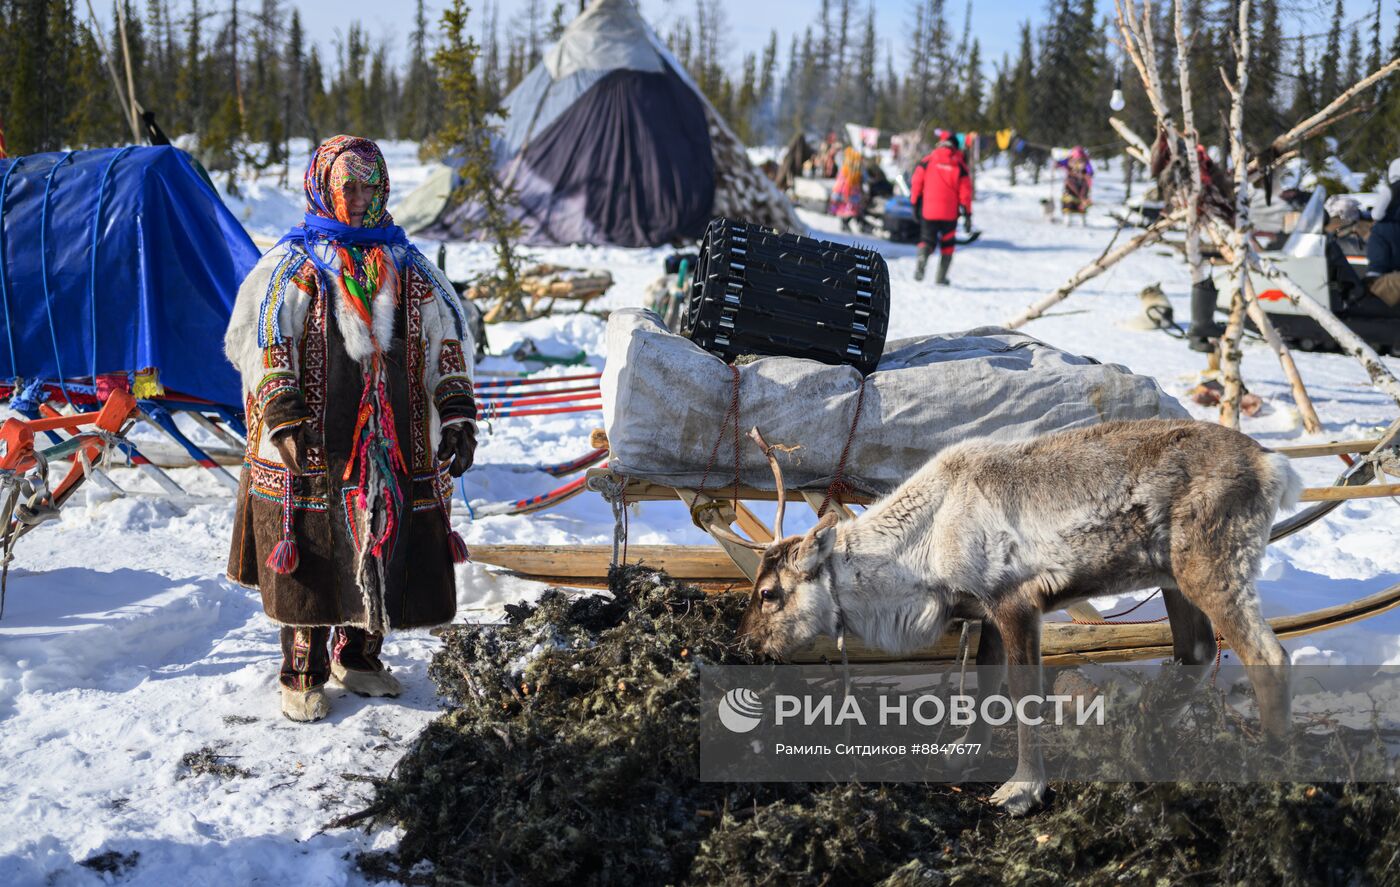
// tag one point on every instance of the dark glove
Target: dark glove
(967, 221)
(291, 446)
(459, 445)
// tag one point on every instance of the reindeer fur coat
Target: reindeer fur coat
(303, 357)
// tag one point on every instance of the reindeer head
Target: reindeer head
(792, 601)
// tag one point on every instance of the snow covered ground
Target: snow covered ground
(123, 648)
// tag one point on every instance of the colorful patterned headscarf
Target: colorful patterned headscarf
(341, 159)
(337, 161)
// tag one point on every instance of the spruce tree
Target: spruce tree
(865, 83)
(469, 121)
(766, 86)
(558, 21)
(1329, 67)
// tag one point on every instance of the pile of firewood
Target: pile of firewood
(541, 287)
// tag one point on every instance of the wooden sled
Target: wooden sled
(732, 566)
(544, 286)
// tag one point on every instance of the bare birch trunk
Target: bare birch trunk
(1193, 158)
(1230, 355)
(1311, 423)
(1324, 117)
(1151, 234)
(1351, 343)
(1136, 147)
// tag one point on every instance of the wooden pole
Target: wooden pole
(1256, 313)
(130, 83)
(1350, 342)
(1151, 234)
(1230, 353)
(1137, 148)
(112, 70)
(1230, 356)
(1324, 117)
(1311, 423)
(1199, 271)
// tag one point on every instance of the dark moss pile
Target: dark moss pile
(571, 757)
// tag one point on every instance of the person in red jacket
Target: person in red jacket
(941, 188)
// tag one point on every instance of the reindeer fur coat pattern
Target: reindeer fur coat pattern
(304, 358)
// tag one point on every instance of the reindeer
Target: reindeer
(1006, 531)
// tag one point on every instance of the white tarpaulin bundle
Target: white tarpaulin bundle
(665, 399)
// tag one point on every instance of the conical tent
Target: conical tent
(608, 141)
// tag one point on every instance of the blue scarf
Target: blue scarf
(316, 230)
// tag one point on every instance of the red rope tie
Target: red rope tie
(732, 414)
(838, 484)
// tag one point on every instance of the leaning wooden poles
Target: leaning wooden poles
(1186, 184)
(1152, 234)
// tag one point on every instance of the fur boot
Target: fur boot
(305, 706)
(366, 683)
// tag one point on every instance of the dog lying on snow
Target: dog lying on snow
(1005, 532)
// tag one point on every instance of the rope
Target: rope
(44, 271)
(4, 288)
(92, 273)
(838, 483)
(731, 414)
(1114, 616)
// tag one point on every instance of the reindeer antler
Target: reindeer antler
(777, 477)
(729, 535)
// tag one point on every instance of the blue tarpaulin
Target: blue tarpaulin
(118, 259)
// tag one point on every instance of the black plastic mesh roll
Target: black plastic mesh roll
(759, 292)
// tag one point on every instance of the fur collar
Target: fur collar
(358, 342)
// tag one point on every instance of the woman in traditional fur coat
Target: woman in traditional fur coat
(358, 390)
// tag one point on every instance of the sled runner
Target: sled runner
(1089, 636)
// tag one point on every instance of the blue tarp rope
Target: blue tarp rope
(44, 271)
(4, 289)
(92, 278)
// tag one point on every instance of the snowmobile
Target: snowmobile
(1336, 277)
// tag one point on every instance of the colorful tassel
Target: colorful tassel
(284, 557)
(460, 555)
(147, 384)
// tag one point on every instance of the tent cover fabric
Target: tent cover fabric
(114, 260)
(608, 141)
(665, 402)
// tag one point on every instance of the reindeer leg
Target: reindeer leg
(991, 675)
(1193, 638)
(1019, 625)
(1241, 623)
(1193, 647)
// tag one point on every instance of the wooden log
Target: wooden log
(684, 562)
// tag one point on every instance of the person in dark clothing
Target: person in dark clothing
(940, 190)
(1383, 246)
